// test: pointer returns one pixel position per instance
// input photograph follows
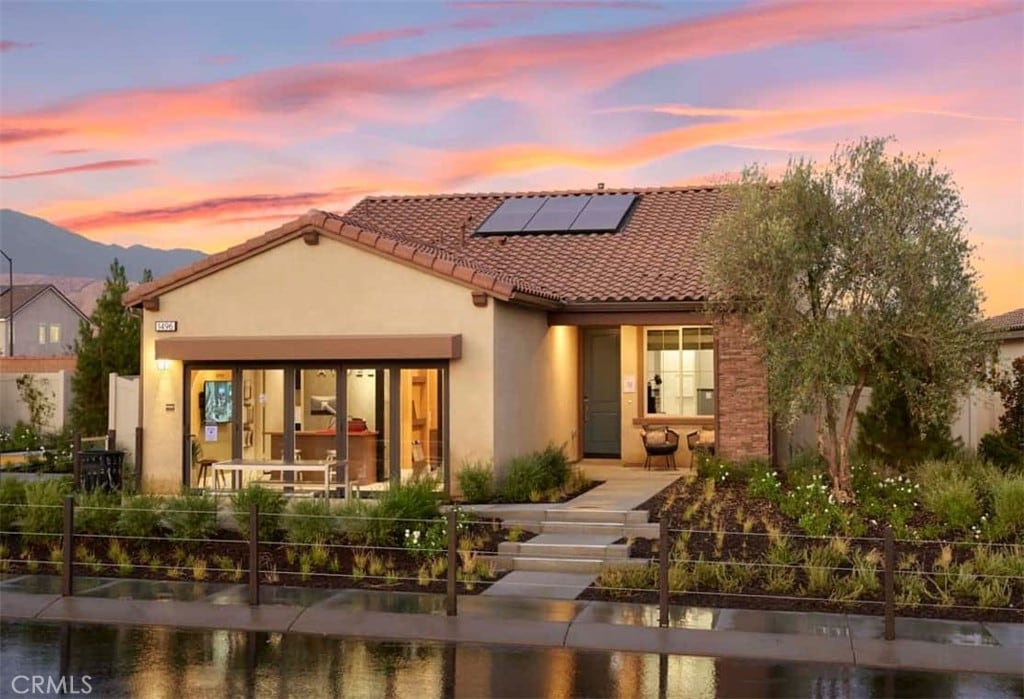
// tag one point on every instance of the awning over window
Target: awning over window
(315, 347)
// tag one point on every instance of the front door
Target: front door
(601, 402)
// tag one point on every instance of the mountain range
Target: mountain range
(39, 247)
(47, 254)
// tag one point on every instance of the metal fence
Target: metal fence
(452, 550)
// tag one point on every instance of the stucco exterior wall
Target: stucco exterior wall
(536, 384)
(46, 309)
(333, 288)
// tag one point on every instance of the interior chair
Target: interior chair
(420, 465)
(660, 442)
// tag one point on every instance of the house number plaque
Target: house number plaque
(166, 326)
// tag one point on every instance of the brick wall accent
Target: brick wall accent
(30, 365)
(742, 421)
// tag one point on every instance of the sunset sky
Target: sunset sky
(200, 124)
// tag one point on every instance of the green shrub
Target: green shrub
(355, 518)
(885, 498)
(97, 512)
(476, 482)
(523, 477)
(309, 522)
(999, 450)
(402, 507)
(763, 482)
(953, 500)
(803, 467)
(140, 516)
(554, 467)
(44, 506)
(191, 516)
(12, 502)
(721, 470)
(1008, 506)
(271, 504)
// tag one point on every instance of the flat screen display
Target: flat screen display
(218, 401)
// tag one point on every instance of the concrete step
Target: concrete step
(617, 530)
(565, 550)
(543, 564)
(600, 516)
(528, 516)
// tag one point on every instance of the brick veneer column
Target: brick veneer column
(743, 417)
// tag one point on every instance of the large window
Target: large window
(679, 371)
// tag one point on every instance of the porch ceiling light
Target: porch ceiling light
(163, 364)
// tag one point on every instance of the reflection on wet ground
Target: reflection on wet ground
(155, 662)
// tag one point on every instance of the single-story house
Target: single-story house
(428, 332)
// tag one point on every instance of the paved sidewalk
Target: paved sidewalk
(922, 644)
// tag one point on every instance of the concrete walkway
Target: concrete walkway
(574, 527)
(922, 644)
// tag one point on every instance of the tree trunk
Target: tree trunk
(845, 477)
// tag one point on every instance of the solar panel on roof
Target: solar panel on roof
(557, 214)
(512, 215)
(603, 212)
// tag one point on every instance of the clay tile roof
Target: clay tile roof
(655, 257)
(1006, 322)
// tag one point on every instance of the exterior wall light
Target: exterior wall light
(162, 364)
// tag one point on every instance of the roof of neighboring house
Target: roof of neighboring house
(1006, 322)
(653, 257)
(24, 294)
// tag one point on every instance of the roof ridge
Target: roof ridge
(539, 193)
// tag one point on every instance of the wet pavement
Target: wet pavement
(925, 644)
(107, 661)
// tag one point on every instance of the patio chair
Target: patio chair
(660, 442)
(697, 445)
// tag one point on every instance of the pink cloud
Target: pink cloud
(87, 167)
(380, 36)
(206, 209)
(557, 5)
(509, 68)
(220, 60)
(8, 45)
(21, 135)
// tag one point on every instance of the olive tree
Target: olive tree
(851, 274)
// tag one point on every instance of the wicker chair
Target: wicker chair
(660, 442)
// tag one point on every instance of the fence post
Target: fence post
(67, 576)
(76, 459)
(254, 554)
(663, 557)
(890, 585)
(451, 600)
(138, 459)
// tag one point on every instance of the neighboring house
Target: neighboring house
(45, 322)
(980, 411)
(450, 329)
(45, 325)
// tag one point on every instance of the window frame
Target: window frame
(51, 334)
(710, 330)
(43, 333)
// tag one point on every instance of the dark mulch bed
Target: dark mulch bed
(279, 561)
(717, 527)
